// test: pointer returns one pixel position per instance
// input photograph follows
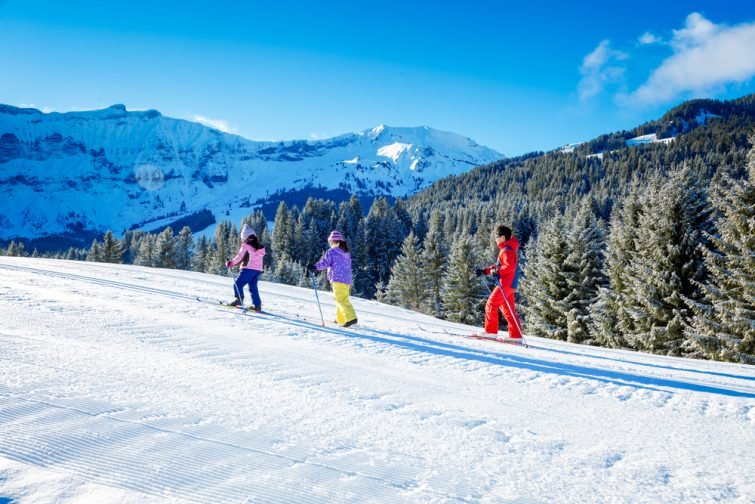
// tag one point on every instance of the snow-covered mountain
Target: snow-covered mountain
(68, 173)
(122, 388)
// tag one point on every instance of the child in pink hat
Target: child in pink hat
(337, 260)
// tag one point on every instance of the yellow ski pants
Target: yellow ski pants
(344, 311)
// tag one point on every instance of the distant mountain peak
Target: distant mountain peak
(117, 169)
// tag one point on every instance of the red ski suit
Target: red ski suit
(506, 270)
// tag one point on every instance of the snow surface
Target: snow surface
(118, 386)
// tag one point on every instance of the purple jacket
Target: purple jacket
(338, 263)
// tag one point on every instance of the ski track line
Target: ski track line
(580, 371)
(120, 453)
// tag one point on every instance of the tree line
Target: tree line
(649, 248)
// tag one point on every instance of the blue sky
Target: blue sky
(516, 77)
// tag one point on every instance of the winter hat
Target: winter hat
(335, 236)
(246, 232)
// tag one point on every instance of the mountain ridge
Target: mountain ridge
(58, 168)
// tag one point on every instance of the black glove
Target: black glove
(479, 272)
(311, 268)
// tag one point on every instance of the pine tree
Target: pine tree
(585, 266)
(611, 317)
(12, 250)
(359, 262)
(203, 255)
(95, 252)
(669, 267)
(434, 264)
(408, 285)
(282, 234)
(383, 237)
(318, 219)
(223, 252)
(184, 249)
(462, 291)
(546, 282)
(166, 249)
(112, 249)
(147, 252)
(724, 326)
(287, 271)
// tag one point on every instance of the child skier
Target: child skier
(503, 295)
(250, 257)
(337, 260)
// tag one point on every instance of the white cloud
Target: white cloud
(599, 70)
(648, 38)
(706, 58)
(218, 124)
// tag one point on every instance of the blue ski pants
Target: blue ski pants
(248, 277)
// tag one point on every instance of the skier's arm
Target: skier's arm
(238, 258)
(324, 263)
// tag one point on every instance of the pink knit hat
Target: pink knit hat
(335, 236)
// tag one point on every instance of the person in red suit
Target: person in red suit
(502, 297)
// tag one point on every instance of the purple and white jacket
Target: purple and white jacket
(338, 263)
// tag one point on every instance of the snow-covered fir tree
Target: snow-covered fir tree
(12, 249)
(434, 264)
(166, 249)
(282, 236)
(184, 248)
(584, 263)
(547, 282)
(147, 253)
(383, 237)
(611, 319)
(408, 285)
(224, 250)
(318, 219)
(462, 291)
(112, 249)
(202, 255)
(95, 252)
(288, 272)
(724, 326)
(668, 268)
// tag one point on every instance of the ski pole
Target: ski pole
(314, 284)
(511, 310)
(485, 284)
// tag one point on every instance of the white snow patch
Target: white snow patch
(648, 139)
(570, 147)
(394, 150)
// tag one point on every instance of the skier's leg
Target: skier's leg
(255, 276)
(491, 311)
(344, 309)
(509, 312)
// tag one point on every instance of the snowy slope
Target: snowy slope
(113, 169)
(117, 385)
